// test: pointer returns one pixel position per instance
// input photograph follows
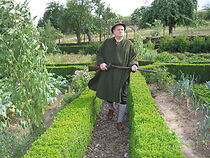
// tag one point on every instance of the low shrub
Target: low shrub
(181, 44)
(198, 45)
(70, 64)
(166, 44)
(162, 78)
(166, 57)
(72, 49)
(92, 48)
(71, 131)
(65, 71)
(200, 71)
(208, 46)
(180, 56)
(149, 135)
(145, 62)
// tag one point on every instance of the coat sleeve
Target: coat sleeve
(133, 56)
(100, 55)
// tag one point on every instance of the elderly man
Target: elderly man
(111, 84)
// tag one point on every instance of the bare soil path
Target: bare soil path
(184, 121)
(107, 141)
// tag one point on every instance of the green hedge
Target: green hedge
(201, 71)
(150, 136)
(90, 48)
(65, 71)
(182, 44)
(145, 62)
(71, 131)
(72, 49)
(71, 64)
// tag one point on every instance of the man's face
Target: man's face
(119, 31)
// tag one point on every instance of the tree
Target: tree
(53, 14)
(207, 15)
(136, 16)
(170, 12)
(104, 18)
(49, 36)
(76, 17)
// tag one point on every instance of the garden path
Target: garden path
(184, 121)
(107, 141)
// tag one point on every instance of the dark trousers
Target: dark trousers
(124, 92)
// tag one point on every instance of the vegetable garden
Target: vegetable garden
(29, 83)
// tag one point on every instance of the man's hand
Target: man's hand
(103, 66)
(134, 68)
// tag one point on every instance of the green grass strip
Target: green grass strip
(150, 136)
(71, 131)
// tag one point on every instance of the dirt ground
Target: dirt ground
(184, 121)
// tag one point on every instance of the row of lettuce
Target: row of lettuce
(70, 133)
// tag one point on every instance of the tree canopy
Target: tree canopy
(169, 12)
(80, 17)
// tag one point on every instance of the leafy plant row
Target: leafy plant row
(70, 133)
(150, 136)
(202, 92)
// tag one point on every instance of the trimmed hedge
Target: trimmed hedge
(150, 136)
(71, 64)
(72, 49)
(90, 48)
(71, 131)
(65, 71)
(201, 71)
(145, 62)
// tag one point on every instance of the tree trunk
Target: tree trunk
(170, 28)
(89, 35)
(78, 34)
(100, 37)
(164, 29)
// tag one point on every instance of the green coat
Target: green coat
(108, 84)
